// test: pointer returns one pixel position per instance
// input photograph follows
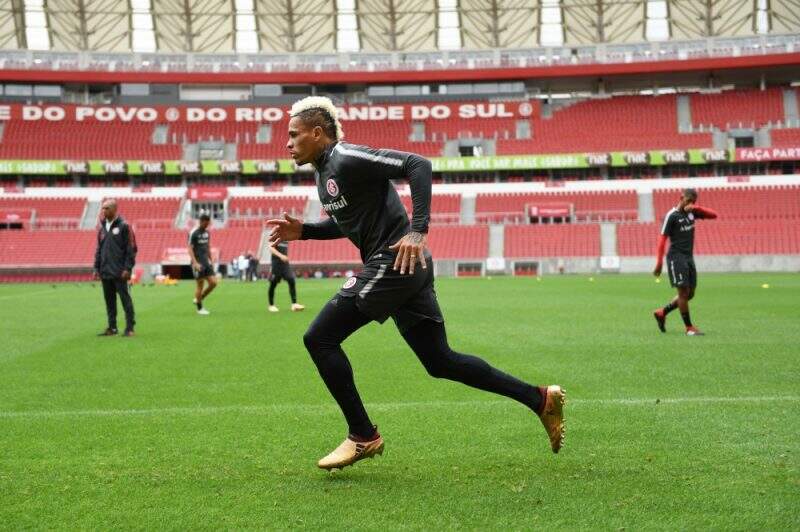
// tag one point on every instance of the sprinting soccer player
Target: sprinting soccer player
(114, 259)
(678, 227)
(200, 253)
(282, 270)
(354, 187)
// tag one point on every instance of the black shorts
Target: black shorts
(682, 272)
(382, 292)
(281, 272)
(205, 270)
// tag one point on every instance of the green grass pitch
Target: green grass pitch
(217, 422)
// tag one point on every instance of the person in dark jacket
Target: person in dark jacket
(113, 264)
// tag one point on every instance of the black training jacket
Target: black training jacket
(354, 187)
(116, 249)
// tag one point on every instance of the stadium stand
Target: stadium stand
(719, 237)
(556, 240)
(619, 123)
(69, 139)
(233, 241)
(447, 242)
(743, 203)
(740, 108)
(44, 213)
(445, 208)
(47, 248)
(615, 205)
(753, 220)
(181, 132)
(339, 251)
(785, 138)
(459, 242)
(265, 206)
(229, 241)
(150, 213)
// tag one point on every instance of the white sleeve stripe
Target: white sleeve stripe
(369, 156)
(666, 219)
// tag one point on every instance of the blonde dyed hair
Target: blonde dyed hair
(319, 111)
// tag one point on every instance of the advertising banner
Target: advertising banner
(15, 215)
(767, 154)
(33, 167)
(207, 193)
(440, 164)
(159, 114)
(549, 210)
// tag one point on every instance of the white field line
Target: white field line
(266, 409)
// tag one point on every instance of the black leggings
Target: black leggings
(340, 318)
(274, 282)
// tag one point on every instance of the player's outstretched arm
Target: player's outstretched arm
(290, 228)
(285, 229)
(704, 213)
(410, 249)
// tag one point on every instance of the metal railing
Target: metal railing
(400, 61)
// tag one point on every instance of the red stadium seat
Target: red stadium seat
(739, 108)
(263, 207)
(552, 240)
(719, 237)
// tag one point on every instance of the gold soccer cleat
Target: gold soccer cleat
(350, 452)
(552, 415)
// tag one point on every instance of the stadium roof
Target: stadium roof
(280, 26)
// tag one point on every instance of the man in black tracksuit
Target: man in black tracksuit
(113, 264)
(354, 187)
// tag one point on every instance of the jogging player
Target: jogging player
(114, 259)
(678, 227)
(282, 270)
(200, 253)
(396, 281)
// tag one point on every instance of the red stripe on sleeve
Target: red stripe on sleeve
(662, 246)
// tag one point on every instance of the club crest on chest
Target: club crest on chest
(332, 187)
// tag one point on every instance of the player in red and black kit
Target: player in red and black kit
(678, 226)
(354, 185)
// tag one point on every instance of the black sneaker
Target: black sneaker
(108, 332)
(128, 332)
(661, 319)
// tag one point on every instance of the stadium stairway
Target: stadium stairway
(608, 239)
(313, 209)
(646, 209)
(468, 209)
(684, 114)
(90, 215)
(184, 216)
(497, 240)
(790, 112)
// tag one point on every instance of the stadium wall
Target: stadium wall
(393, 76)
(465, 189)
(485, 263)
(721, 263)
